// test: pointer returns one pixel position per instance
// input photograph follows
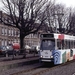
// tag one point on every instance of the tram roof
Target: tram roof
(58, 36)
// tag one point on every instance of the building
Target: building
(9, 34)
(32, 39)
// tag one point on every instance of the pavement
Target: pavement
(17, 62)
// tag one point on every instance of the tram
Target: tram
(57, 48)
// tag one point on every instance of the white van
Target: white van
(35, 48)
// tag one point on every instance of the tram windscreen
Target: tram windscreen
(47, 45)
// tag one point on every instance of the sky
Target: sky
(68, 3)
(1, 5)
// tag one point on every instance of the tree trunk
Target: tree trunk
(22, 45)
(21, 41)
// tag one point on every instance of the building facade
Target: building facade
(8, 35)
(32, 39)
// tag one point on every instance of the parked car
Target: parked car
(34, 48)
(3, 50)
(27, 48)
(13, 49)
(10, 50)
(16, 47)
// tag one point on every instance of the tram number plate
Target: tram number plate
(46, 52)
(46, 56)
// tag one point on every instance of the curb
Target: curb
(18, 64)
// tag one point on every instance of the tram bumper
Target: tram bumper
(46, 59)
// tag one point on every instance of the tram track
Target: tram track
(30, 71)
(38, 69)
(29, 68)
(41, 70)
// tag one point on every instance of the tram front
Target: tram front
(46, 50)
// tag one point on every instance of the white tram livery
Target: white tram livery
(57, 48)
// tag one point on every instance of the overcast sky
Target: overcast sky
(68, 3)
(1, 5)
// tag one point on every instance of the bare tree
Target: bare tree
(55, 15)
(49, 14)
(25, 14)
(65, 19)
(70, 21)
(59, 12)
(58, 18)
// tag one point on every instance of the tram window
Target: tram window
(66, 44)
(69, 44)
(62, 44)
(74, 44)
(47, 44)
(59, 44)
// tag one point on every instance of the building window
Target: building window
(9, 42)
(35, 35)
(12, 32)
(14, 40)
(5, 31)
(2, 31)
(18, 41)
(2, 42)
(9, 32)
(31, 35)
(15, 33)
(5, 42)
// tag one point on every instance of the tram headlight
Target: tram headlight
(41, 56)
(51, 56)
